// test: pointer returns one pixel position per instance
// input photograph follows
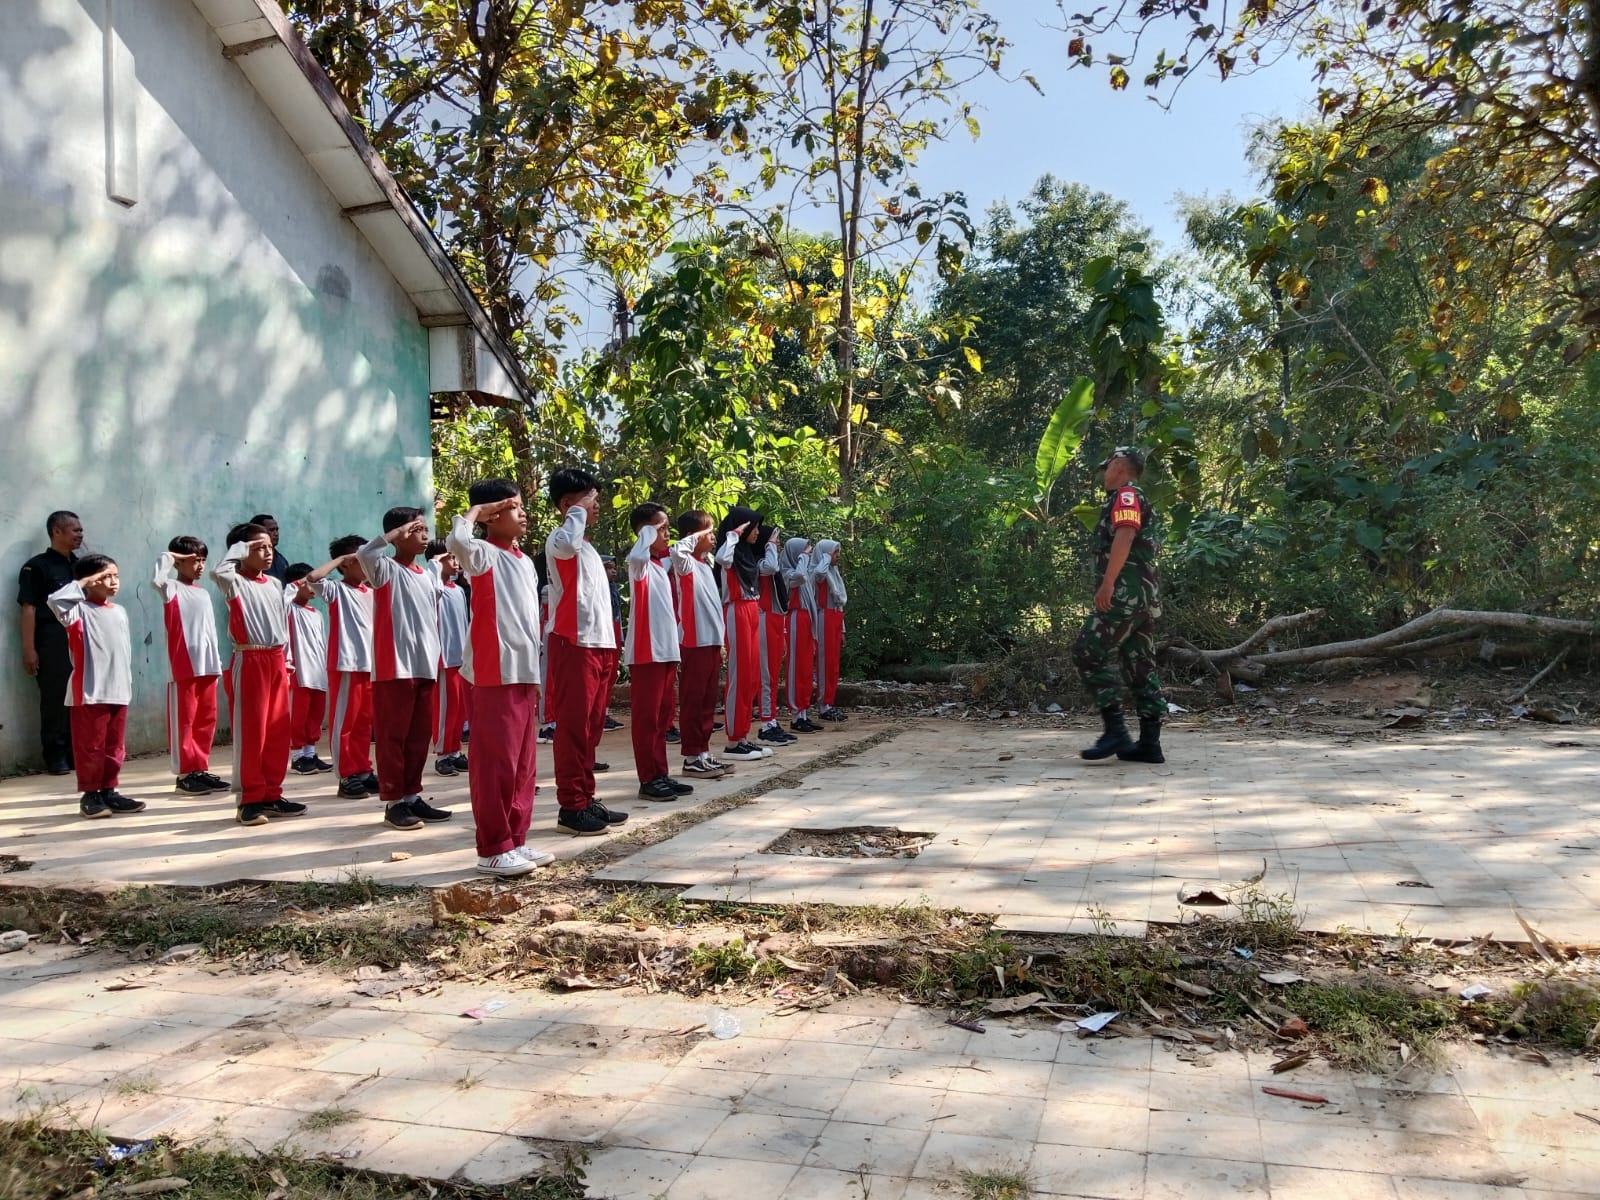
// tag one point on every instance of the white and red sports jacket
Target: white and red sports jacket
(652, 621)
(191, 623)
(405, 615)
(699, 605)
(308, 640)
(349, 624)
(98, 640)
(580, 594)
(256, 617)
(503, 638)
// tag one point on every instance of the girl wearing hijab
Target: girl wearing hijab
(831, 599)
(740, 558)
(772, 636)
(795, 568)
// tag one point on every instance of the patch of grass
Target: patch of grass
(136, 1085)
(1563, 1011)
(329, 1118)
(44, 1157)
(1361, 1024)
(651, 905)
(723, 964)
(467, 1082)
(995, 1185)
(1266, 922)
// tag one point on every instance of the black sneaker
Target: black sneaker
(805, 725)
(192, 785)
(353, 787)
(673, 736)
(771, 733)
(658, 789)
(321, 764)
(581, 822)
(399, 816)
(606, 815)
(58, 768)
(703, 770)
(612, 723)
(216, 782)
(683, 789)
(832, 714)
(304, 766)
(745, 752)
(118, 803)
(253, 814)
(716, 725)
(601, 768)
(445, 764)
(370, 782)
(427, 811)
(93, 805)
(460, 760)
(547, 734)
(283, 808)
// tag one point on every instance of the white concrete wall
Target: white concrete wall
(226, 345)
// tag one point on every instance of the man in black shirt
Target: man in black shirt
(279, 569)
(44, 641)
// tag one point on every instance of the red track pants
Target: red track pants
(191, 722)
(802, 660)
(741, 618)
(98, 747)
(830, 646)
(651, 693)
(577, 705)
(402, 712)
(257, 684)
(500, 769)
(350, 730)
(698, 677)
(307, 707)
(449, 710)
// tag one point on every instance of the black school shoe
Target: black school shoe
(582, 822)
(601, 768)
(673, 736)
(428, 812)
(304, 766)
(612, 724)
(399, 816)
(58, 768)
(269, 810)
(370, 782)
(771, 733)
(805, 725)
(94, 806)
(683, 789)
(460, 760)
(445, 764)
(832, 714)
(660, 790)
(118, 803)
(606, 815)
(353, 787)
(192, 784)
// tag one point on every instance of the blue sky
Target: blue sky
(1116, 142)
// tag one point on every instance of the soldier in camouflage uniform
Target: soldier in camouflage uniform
(1122, 625)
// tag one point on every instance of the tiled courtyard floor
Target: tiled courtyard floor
(870, 1098)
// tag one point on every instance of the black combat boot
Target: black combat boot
(1148, 748)
(1114, 740)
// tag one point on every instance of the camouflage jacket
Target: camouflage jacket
(1139, 584)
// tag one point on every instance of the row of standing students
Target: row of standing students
(400, 658)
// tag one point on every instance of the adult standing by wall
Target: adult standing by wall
(1117, 639)
(44, 641)
(279, 569)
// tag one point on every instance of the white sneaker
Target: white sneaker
(505, 865)
(537, 857)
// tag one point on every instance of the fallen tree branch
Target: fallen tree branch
(1537, 679)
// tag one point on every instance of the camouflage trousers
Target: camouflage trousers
(1119, 645)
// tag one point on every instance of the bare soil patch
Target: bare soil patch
(851, 841)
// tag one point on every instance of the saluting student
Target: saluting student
(700, 636)
(349, 600)
(100, 687)
(772, 637)
(831, 599)
(651, 652)
(502, 663)
(195, 664)
(308, 690)
(795, 563)
(740, 560)
(405, 663)
(450, 697)
(257, 682)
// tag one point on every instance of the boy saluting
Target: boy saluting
(1122, 625)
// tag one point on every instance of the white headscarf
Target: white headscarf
(829, 550)
(802, 590)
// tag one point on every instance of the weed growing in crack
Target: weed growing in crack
(1004, 1184)
(328, 1118)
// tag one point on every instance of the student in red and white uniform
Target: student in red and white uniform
(257, 682)
(651, 651)
(450, 697)
(100, 687)
(581, 647)
(502, 663)
(700, 636)
(308, 690)
(405, 663)
(772, 638)
(740, 558)
(349, 600)
(795, 563)
(831, 599)
(194, 661)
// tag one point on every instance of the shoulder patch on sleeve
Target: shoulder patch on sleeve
(1125, 512)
